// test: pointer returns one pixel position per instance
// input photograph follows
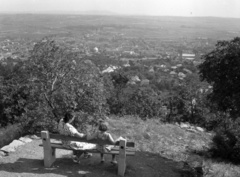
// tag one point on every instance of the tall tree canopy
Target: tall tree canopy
(64, 80)
(53, 80)
(221, 68)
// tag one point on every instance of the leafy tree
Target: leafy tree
(53, 80)
(142, 101)
(221, 68)
(119, 82)
(61, 81)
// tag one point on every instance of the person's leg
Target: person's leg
(79, 153)
(87, 155)
(76, 156)
(114, 161)
(102, 158)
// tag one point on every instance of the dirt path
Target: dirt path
(27, 162)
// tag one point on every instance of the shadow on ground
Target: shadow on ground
(142, 165)
(30, 163)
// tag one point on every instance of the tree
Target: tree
(119, 81)
(142, 101)
(59, 80)
(221, 69)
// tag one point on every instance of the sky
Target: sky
(215, 8)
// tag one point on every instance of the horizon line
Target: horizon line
(100, 13)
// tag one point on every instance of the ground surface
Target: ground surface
(27, 162)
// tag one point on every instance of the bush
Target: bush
(226, 142)
(9, 133)
(142, 101)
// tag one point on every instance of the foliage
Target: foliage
(56, 79)
(9, 133)
(117, 82)
(13, 91)
(128, 99)
(142, 101)
(227, 141)
(221, 69)
(52, 81)
(62, 81)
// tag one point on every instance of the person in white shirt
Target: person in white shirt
(65, 128)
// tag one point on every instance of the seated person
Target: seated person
(103, 135)
(65, 128)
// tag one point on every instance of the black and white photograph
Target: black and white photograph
(130, 88)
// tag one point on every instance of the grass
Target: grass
(172, 142)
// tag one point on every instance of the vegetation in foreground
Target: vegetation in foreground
(173, 142)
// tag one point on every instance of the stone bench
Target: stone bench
(122, 148)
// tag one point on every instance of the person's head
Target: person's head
(103, 126)
(69, 117)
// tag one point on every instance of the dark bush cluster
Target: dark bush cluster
(141, 101)
(227, 141)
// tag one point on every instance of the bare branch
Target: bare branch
(55, 80)
(50, 104)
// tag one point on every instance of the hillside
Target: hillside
(162, 150)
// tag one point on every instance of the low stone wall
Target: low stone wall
(6, 150)
(9, 133)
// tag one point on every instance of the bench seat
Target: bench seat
(114, 150)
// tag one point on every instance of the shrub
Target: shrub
(9, 133)
(142, 101)
(13, 91)
(226, 142)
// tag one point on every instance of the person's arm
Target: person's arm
(110, 138)
(118, 139)
(80, 135)
(75, 133)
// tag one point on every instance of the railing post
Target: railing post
(122, 158)
(48, 151)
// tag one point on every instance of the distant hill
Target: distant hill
(92, 12)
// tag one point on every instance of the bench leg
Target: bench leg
(49, 153)
(49, 157)
(122, 158)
